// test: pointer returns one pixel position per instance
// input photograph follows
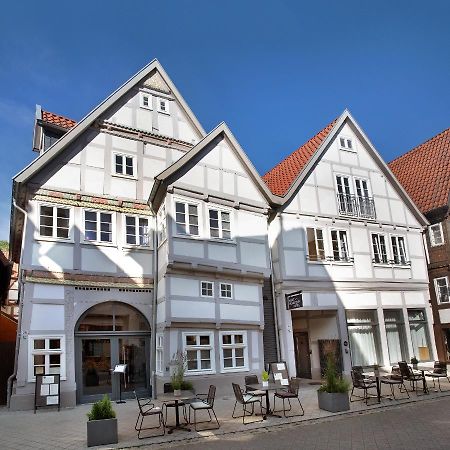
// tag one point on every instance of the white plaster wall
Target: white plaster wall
(184, 286)
(48, 291)
(192, 310)
(99, 259)
(52, 256)
(247, 292)
(46, 317)
(239, 312)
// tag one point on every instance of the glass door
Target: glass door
(132, 352)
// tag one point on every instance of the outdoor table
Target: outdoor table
(375, 375)
(423, 369)
(270, 387)
(170, 397)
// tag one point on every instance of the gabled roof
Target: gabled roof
(170, 174)
(57, 120)
(88, 120)
(280, 178)
(424, 172)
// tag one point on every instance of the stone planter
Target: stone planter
(101, 432)
(334, 401)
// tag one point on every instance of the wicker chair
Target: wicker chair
(361, 383)
(290, 393)
(409, 375)
(246, 399)
(439, 371)
(204, 404)
(147, 409)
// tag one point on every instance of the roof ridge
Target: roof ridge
(418, 147)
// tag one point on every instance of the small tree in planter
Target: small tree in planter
(178, 367)
(102, 423)
(333, 394)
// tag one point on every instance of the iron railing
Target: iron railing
(355, 206)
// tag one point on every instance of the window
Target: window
(47, 356)
(344, 195)
(137, 231)
(379, 249)
(123, 165)
(399, 250)
(395, 335)
(97, 226)
(146, 101)
(186, 218)
(419, 334)
(316, 250)
(233, 347)
(199, 351)
(345, 143)
(162, 226)
(163, 105)
(442, 289)
(340, 245)
(207, 289)
(219, 224)
(358, 204)
(159, 353)
(225, 290)
(436, 235)
(364, 201)
(54, 221)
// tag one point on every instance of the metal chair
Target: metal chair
(246, 399)
(394, 379)
(205, 404)
(253, 379)
(290, 393)
(147, 409)
(409, 375)
(439, 371)
(362, 383)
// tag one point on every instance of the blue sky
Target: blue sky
(276, 72)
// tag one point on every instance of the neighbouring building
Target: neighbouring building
(349, 239)
(424, 172)
(139, 234)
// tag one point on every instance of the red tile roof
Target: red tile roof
(58, 120)
(280, 178)
(424, 172)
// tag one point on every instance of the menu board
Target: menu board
(280, 373)
(47, 391)
(294, 300)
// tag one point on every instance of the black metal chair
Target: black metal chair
(394, 379)
(171, 404)
(147, 409)
(439, 371)
(204, 404)
(361, 383)
(287, 394)
(246, 399)
(253, 379)
(409, 375)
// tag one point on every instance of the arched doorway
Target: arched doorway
(107, 334)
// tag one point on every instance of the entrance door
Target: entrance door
(302, 355)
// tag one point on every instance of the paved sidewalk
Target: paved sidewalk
(67, 429)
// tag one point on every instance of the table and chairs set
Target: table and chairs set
(370, 381)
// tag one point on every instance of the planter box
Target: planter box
(333, 402)
(101, 432)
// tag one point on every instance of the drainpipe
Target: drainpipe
(20, 300)
(154, 307)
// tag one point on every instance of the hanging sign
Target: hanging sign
(294, 300)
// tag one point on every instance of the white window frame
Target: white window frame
(187, 224)
(159, 364)
(166, 102)
(441, 232)
(198, 347)
(54, 236)
(231, 290)
(162, 224)
(437, 289)
(136, 234)
(113, 227)
(386, 244)
(212, 288)
(123, 174)
(220, 211)
(233, 347)
(349, 252)
(345, 147)
(322, 229)
(47, 352)
(141, 100)
(396, 236)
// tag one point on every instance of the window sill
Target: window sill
(188, 236)
(99, 244)
(401, 266)
(200, 372)
(137, 247)
(234, 369)
(383, 265)
(351, 150)
(127, 177)
(166, 113)
(53, 239)
(222, 241)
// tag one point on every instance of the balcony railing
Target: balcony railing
(352, 205)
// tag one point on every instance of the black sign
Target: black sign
(294, 300)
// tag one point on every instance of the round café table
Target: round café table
(270, 387)
(176, 399)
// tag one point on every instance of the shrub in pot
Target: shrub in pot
(102, 423)
(333, 393)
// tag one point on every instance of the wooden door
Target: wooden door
(302, 355)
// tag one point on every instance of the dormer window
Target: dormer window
(346, 143)
(146, 101)
(163, 105)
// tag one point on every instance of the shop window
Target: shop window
(419, 334)
(395, 334)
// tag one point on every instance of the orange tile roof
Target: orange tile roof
(424, 172)
(58, 120)
(280, 178)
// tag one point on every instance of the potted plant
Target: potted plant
(265, 378)
(178, 367)
(102, 423)
(333, 393)
(414, 362)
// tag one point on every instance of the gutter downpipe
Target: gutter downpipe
(154, 307)
(12, 377)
